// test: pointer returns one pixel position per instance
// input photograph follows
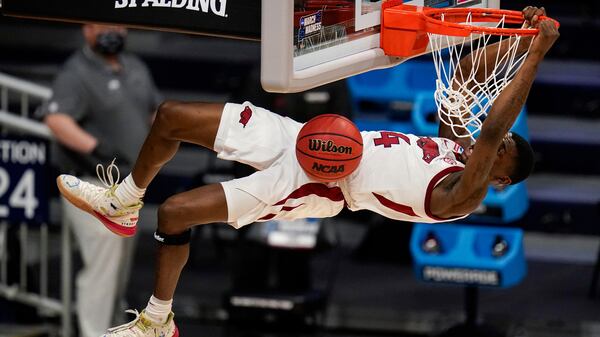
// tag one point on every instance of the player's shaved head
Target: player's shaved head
(523, 161)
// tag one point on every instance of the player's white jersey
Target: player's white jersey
(398, 172)
(395, 178)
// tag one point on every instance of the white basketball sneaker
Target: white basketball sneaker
(101, 202)
(141, 326)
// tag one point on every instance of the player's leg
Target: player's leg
(175, 122)
(202, 205)
(176, 216)
(117, 206)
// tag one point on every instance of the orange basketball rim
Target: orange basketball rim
(405, 28)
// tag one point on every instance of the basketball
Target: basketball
(329, 147)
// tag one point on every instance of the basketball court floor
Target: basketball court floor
(375, 297)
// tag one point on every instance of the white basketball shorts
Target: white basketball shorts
(280, 189)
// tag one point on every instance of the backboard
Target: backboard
(308, 43)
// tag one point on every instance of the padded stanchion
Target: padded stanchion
(465, 255)
(471, 257)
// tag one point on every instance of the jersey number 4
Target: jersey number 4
(389, 138)
(430, 148)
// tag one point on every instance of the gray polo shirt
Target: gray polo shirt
(113, 106)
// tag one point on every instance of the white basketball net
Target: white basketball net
(463, 100)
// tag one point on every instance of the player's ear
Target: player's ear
(503, 181)
(501, 151)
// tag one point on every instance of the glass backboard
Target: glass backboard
(308, 43)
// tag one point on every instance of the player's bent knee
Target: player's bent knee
(171, 230)
(201, 205)
(184, 120)
(167, 116)
(170, 217)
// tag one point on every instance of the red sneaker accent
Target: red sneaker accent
(114, 227)
(176, 332)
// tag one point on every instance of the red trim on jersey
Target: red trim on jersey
(267, 217)
(320, 190)
(432, 183)
(395, 206)
(283, 209)
(290, 208)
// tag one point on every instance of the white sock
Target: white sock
(158, 310)
(128, 192)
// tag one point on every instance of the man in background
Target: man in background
(102, 105)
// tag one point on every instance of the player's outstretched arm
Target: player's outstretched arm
(468, 192)
(485, 61)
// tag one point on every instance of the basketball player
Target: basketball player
(403, 177)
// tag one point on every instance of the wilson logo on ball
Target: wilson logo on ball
(328, 168)
(327, 146)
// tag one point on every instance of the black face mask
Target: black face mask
(109, 43)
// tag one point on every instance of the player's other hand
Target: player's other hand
(532, 15)
(546, 37)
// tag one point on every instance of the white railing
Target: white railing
(24, 89)
(24, 125)
(23, 92)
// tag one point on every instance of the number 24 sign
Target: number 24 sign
(24, 169)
